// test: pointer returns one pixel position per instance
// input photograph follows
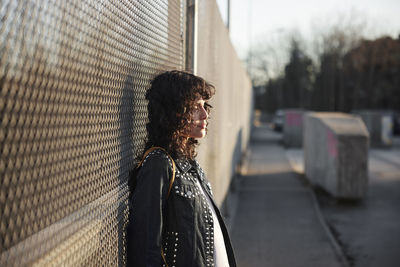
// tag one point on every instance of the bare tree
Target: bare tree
(332, 40)
(267, 58)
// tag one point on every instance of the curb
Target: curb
(332, 240)
(336, 247)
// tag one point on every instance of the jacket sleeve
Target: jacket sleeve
(145, 219)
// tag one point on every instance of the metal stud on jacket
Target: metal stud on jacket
(181, 223)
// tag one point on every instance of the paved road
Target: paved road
(276, 223)
(368, 231)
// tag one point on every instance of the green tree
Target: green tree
(297, 83)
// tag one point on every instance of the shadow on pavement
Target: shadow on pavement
(276, 223)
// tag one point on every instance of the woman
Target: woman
(182, 227)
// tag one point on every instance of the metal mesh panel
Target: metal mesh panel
(229, 127)
(73, 76)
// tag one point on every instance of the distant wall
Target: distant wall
(293, 127)
(229, 128)
(379, 125)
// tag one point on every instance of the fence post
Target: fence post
(191, 36)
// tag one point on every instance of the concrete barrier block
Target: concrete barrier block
(293, 127)
(379, 125)
(336, 153)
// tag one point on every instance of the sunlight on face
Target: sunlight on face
(198, 124)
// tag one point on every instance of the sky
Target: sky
(255, 20)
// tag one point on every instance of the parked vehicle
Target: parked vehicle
(396, 122)
(278, 120)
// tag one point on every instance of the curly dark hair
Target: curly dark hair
(171, 97)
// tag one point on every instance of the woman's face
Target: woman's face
(198, 124)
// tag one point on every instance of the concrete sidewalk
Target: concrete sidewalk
(277, 221)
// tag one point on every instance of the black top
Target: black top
(182, 224)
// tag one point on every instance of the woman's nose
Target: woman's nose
(204, 114)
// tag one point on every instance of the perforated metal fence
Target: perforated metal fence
(70, 73)
(229, 128)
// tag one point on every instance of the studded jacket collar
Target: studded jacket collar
(181, 224)
(185, 166)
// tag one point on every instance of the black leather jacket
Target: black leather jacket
(182, 224)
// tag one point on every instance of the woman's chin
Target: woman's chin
(200, 134)
(197, 134)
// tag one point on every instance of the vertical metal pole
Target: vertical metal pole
(191, 36)
(195, 31)
(228, 15)
(250, 56)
